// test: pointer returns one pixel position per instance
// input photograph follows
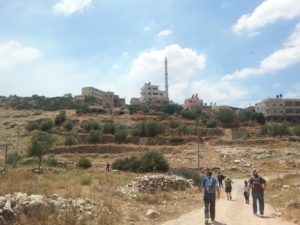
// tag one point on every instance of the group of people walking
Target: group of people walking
(212, 185)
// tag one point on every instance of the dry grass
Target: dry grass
(280, 198)
(68, 185)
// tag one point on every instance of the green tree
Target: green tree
(71, 140)
(68, 125)
(60, 118)
(46, 125)
(84, 163)
(171, 108)
(211, 123)
(226, 117)
(175, 123)
(89, 99)
(109, 128)
(154, 162)
(120, 135)
(41, 142)
(89, 125)
(95, 136)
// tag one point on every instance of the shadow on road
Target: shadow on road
(219, 223)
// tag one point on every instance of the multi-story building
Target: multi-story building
(91, 91)
(105, 98)
(279, 109)
(152, 96)
(135, 101)
(193, 103)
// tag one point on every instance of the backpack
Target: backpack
(210, 186)
(256, 184)
(227, 182)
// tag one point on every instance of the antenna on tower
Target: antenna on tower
(166, 78)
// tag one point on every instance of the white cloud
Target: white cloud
(165, 33)
(182, 63)
(68, 7)
(278, 60)
(268, 12)
(13, 53)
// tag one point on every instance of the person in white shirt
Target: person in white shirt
(246, 190)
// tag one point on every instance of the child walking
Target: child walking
(246, 190)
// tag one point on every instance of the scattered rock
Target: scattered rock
(152, 214)
(286, 186)
(154, 183)
(294, 204)
(20, 204)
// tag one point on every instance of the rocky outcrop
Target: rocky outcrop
(18, 205)
(154, 183)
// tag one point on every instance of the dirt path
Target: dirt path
(234, 212)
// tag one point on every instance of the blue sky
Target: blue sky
(228, 51)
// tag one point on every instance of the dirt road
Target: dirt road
(234, 212)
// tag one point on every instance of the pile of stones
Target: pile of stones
(154, 183)
(18, 205)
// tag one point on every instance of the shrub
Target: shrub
(188, 115)
(188, 174)
(264, 130)
(89, 125)
(13, 158)
(226, 117)
(40, 124)
(95, 136)
(84, 163)
(296, 130)
(279, 129)
(154, 162)
(109, 128)
(71, 140)
(60, 118)
(86, 180)
(176, 140)
(149, 162)
(32, 125)
(148, 129)
(46, 125)
(211, 123)
(120, 135)
(172, 108)
(69, 125)
(138, 108)
(175, 123)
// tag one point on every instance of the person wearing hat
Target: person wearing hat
(257, 185)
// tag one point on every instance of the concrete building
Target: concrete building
(135, 101)
(193, 103)
(105, 98)
(279, 109)
(152, 96)
(91, 91)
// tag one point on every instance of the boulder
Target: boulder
(152, 214)
(8, 213)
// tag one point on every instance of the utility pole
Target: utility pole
(18, 141)
(5, 159)
(198, 143)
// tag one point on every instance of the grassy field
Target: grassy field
(284, 191)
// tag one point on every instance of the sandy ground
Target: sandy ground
(234, 212)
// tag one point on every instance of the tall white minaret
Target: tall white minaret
(166, 78)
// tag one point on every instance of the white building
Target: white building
(279, 109)
(151, 95)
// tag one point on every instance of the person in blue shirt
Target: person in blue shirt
(210, 185)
